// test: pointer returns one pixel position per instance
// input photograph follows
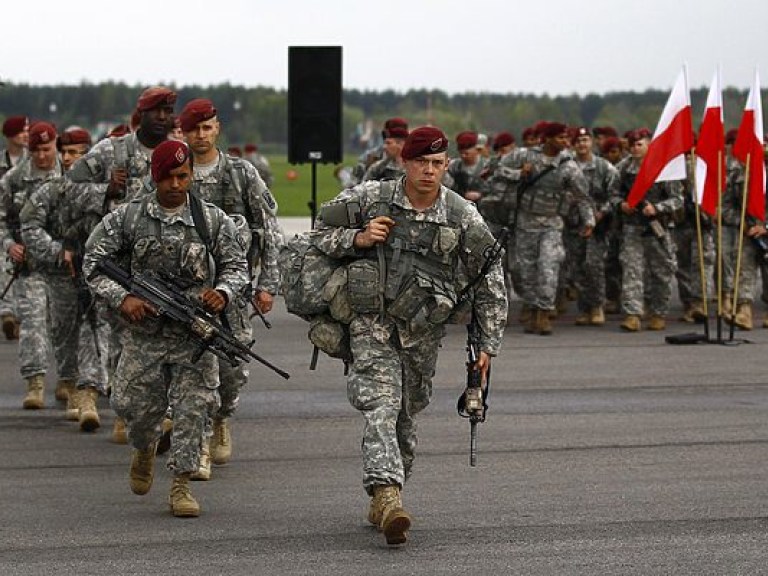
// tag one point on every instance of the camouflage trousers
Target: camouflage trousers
(747, 285)
(156, 372)
(232, 379)
(34, 342)
(93, 350)
(648, 266)
(586, 268)
(8, 303)
(613, 266)
(688, 273)
(539, 255)
(389, 384)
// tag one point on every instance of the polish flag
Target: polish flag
(673, 138)
(749, 144)
(710, 150)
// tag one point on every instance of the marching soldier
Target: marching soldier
(391, 166)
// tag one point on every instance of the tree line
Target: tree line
(260, 114)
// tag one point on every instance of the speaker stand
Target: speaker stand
(312, 204)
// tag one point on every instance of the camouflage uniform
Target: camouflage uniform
(557, 183)
(90, 201)
(731, 217)
(648, 262)
(384, 169)
(31, 289)
(466, 178)
(44, 229)
(587, 255)
(365, 160)
(156, 368)
(394, 355)
(7, 304)
(236, 187)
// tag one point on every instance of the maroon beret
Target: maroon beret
(730, 136)
(466, 139)
(608, 131)
(41, 133)
(119, 130)
(610, 143)
(196, 111)
(638, 134)
(552, 129)
(503, 139)
(539, 126)
(423, 141)
(14, 125)
(529, 132)
(167, 156)
(250, 148)
(154, 97)
(577, 132)
(395, 128)
(74, 136)
(235, 151)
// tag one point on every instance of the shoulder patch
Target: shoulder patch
(269, 200)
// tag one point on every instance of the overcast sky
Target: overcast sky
(504, 46)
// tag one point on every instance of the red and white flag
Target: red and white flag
(673, 138)
(748, 148)
(710, 150)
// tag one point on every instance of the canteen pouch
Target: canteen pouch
(331, 337)
(422, 302)
(335, 293)
(363, 286)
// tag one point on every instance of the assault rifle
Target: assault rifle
(172, 303)
(14, 224)
(473, 402)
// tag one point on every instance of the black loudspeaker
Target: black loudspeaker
(314, 104)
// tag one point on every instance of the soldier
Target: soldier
(530, 137)
(235, 186)
(166, 232)
(390, 167)
(16, 132)
(16, 186)
(114, 171)
(260, 162)
(589, 254)
(551, 182)
(753, 229)
(466, 171)
(483, 146)
(647, 249)
(417, 231)
(44, 228)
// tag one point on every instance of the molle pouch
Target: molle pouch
(446, 240)
(412, 299)
(193, 262)
(344, 214)
(363, 286)
(335, 293)
(331, 337)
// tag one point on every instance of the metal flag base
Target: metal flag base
(698, 338)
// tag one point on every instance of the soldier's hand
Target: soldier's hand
(214, 300)
(586, 232)
(135, 309)
(483, 364)
(472, 195)
(626, 208)
(117, 183)
(526, 170)
(649, 210)
(756, 231)
(263, 301)
(68, 260)
(375, 232)
(17, 253)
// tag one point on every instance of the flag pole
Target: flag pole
(737, 273)
(700, 244)
(719, 246)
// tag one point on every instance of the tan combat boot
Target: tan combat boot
(687, 315)
(73, 404)
(532, 322)
(376, 509)
(544, 323)
(143, 469)
(89, 415)
(631, 323)
(183, 504)
(656, 322)
(221, 441)
(582, 319)
(204, 471)
(525, 314)
(697, 311)
(119, 431)
(64, 387)
(727, 308)
(743, 318)
(35, 389)
(765, 320)
(395, 521)
(596, 316)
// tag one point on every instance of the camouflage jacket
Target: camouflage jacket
(236, 187)
(466, 245)
(667, 197)
(5, 161)
(146, 238)
(384, 169)
(602, 182)
(468, 178)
